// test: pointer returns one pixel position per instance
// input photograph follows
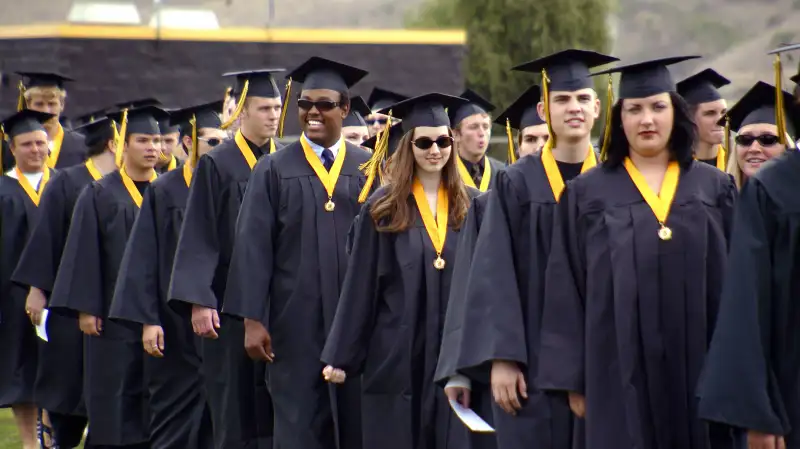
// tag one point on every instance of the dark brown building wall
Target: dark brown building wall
(181, 73)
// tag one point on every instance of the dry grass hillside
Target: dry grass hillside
(733, 35)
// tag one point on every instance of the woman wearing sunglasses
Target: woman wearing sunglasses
(391, 310)
(757, 141)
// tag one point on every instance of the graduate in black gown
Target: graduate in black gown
(472, 128)
(354, 128)
(378, 99)
(388, 323)
(169, 134)
(20, 191)
(523, 115)
(707, 108)
(114, 387)
(59, 378)
(235, 385)
(634, 277)
(289, 262)
(491, 335)
(752, 373)
(179, 415)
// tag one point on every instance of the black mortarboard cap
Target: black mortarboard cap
(424, 110)
(261, 82)
(567, 70)
(43, 79)
(25, 121)
(97, 131)
(476, 105)
(91, 116)
(207, 116)
(142, 120)
(166, 126)
(321, 73)
(523, 113)
(702, 87)
(646, 78)
(358, 110)
(135, 104)
(395, 134)
(381, 98)
(758, 106)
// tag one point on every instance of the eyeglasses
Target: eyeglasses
(212, 142)
(765, 140)
(424, 143)
(377, 121)
(321, 105)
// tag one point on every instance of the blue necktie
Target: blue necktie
(327, 159)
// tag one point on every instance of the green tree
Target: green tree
(504, 33)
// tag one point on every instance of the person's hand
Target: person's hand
(507, 380)
(333, 375)
(90, 324)
(458, 394)
(35, 304)
(153, 340)
(257, 341)
(577, 403)
(205, 321)
(759, 440)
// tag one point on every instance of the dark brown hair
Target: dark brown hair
(393, 212)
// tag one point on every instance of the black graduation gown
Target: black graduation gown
(237, 394)
(179, 416)
(59, 380)
(752, 372)
(114, 387)
(495, 313)
(628, 317)
(387, 330)
(18, 351)
(288, 266)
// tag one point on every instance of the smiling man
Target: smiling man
(290, 258)
(708, 108)
(472, 129)
(235, 385)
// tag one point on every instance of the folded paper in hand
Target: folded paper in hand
(470, 419)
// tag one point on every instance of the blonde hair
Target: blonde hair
(48, 93)
(733, 162)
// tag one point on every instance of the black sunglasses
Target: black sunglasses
(321, 105)
(378, 121)
(424, 143)
(765, 140)
(212, 142)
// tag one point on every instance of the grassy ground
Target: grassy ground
(9, 437)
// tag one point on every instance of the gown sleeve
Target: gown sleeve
(251, 268)
(738, 386)
(79, 286)
(39, 261)
(136, 293)
(198, 250)
(348, 339)
(561, 359)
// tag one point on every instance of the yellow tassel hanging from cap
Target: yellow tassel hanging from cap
(120, 142)
(239, 107)
(21, 98)
(512, 155)
(780, 119)
(192, 156)
(546, 101)
(373, 168)
(607, 130)
(2, 139)
(727, 134)
(284, 107)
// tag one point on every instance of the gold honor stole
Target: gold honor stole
(328, 179)
(465, 176)
(436, 228)
(93, 170)
(554, 174)
(52, 158)
(722, 159)
(34, 194)
(131, 187)
(661, 203)
(244, 148)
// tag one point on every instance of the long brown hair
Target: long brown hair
(393, 213)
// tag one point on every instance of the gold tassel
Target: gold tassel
(239, 107)
(546, 100)
(373, 168)
(780, 119)
(2, 138)
(512, 155)
(286, 94)
(192, 156)
(21, 98)
(727, 133)
(607, 130)
(123, 127)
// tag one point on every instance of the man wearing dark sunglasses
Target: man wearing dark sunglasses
(235, 384)
(290, 258)
(379, 99)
